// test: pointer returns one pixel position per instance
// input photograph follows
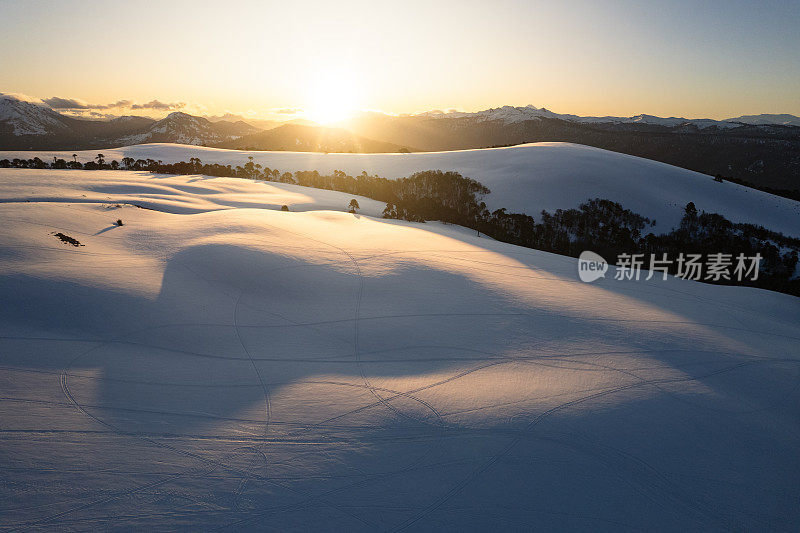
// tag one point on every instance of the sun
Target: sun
(333, 98)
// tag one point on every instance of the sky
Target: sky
(714, 59)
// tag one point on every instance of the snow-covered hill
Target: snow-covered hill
(527, 178)
(211, 366)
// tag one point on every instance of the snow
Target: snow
(184, 128)
(209, 365)
(526, 178)
(168, 193)
(510, 115)
(768, 118)
(28, 116)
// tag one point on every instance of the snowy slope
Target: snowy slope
(169, 193)
(239, 368)
(525, 178)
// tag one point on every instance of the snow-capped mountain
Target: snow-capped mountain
(24, 117)
(775, 119)
(183, 128)
(30, 124)
(511, 114)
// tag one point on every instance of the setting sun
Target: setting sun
(332, 98)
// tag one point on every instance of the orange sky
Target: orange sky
(716, 59)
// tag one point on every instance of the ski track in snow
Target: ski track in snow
(391, 434)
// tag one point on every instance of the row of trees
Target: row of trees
(599, 225)
(99, 163)
(707, 233)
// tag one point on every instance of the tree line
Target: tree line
(600, 225)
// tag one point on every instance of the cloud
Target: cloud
(67, 103)
(21, 98)
(56, 102)
(161, 106)
(75, 104)
(76, 107)
(289, 111)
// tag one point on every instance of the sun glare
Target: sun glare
(332, 99)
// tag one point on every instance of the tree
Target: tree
(75, 157)
(690, 221)
(353, 205)
(284, 208)
(404, 150)
(100, 158)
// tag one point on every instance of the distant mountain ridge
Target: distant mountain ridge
(31, 125)
(182, 128)
(511, 114)
(767, 118)
(301, 138)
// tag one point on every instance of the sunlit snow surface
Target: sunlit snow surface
(523, 179)
(216, 363)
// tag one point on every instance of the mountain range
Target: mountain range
(762, 150)
(510, 114)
